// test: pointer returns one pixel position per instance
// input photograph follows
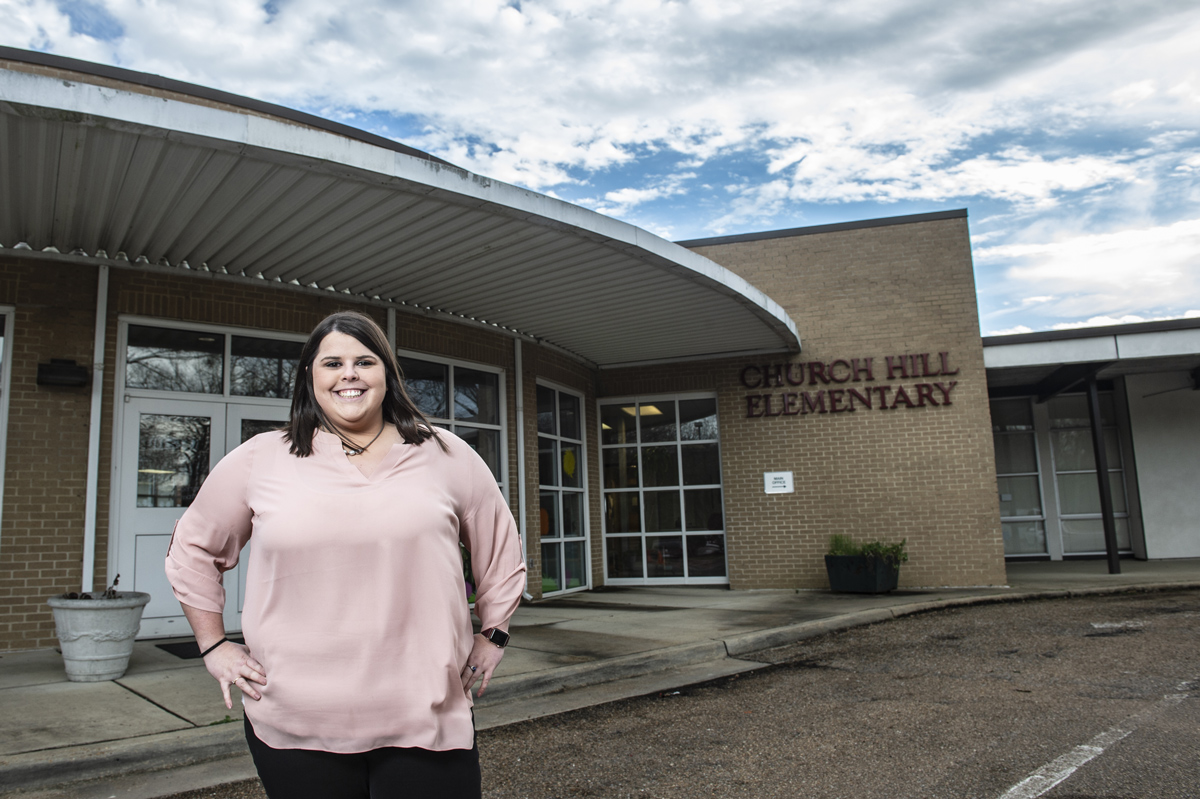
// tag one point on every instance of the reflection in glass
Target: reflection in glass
(664, 556)
(706, 555)
(545, 411)
(263, 367)
(1024, 538)
(701, 464)
(624, 556)
(621, 513)
(549, 513)
(165, 359)
(547, 458)
(476, 396)
(618, 425)
(660, 466)
(427, 384)
(657, 420)
(1080, 493)
(252, 427)
(173, 458)
(572, 513)
(1020, 496)
(1011, 415)
(568, 409)
(1087, 535)
(620, 467)
(1072, 411)
(551, 568)
(698, 419)
(702, 509)
(572, 465)
(1073, 450)
(486, 443)
(575, 561)
(662, 511)
(1015, 453)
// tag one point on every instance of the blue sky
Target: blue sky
(1070, 130)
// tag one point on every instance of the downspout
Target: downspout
(93, 456)
(522, 520)
(391, 329)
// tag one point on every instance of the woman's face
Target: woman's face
(349, 382)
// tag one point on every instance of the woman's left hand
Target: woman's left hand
(485, 657)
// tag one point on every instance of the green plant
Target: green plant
(893, 554)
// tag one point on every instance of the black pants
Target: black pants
(388, 773)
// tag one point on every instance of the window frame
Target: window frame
(582, 490)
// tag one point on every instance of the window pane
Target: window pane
(545, 411)
(551, 568)
(572, 513)
(175, 360)
(1079, 493)
(252, 427)
(1072, 411)
(427, 384)
(575, 558)
(486, 443)
(658, 421)
(1087, 535)
(263, 367)
(572, 465)
(1073, 450)
(664, 556)
(1019, 496)
(173, 458)
(620, 467)
(703, 509)
(547, 461)
(622, 513)
(662, 511)
(624, 556)
(550, 526)
(698, 419)
(1024, 538)
(476, 396)
(660, 466)
(1011, 415)
(706, 555)
(617, 424)
(1015, 452)
(701, 464)
(568, 409)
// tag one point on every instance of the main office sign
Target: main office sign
(893, 382)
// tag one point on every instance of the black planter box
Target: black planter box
(858, 574)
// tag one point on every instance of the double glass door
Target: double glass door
(168, 447)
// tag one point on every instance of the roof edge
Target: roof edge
(1100, 331)
(152, 81)
(958, 213)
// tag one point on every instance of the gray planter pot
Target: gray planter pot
(97, 634)
(859, 574)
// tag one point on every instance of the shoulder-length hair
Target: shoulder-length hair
(398, 407)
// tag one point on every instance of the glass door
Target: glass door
(561, 491)
(168, 448)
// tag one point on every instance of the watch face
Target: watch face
(498, 637)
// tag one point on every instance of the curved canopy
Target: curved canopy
(114, 171)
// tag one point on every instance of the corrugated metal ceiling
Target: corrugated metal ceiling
(120, 188)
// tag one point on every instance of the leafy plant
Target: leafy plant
(108, 593)
(893, 554)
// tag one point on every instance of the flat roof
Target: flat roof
(958, 213)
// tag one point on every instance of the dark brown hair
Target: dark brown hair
(398, 407)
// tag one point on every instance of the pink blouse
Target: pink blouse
(355, 602)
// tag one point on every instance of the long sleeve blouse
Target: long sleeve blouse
(355, 601)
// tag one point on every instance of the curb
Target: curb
(59, 767)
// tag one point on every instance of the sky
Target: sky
(1068, 129)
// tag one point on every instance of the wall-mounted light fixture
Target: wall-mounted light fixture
(62, 372)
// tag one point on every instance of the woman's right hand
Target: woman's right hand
(231, 664)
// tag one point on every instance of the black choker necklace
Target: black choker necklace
(351, 450)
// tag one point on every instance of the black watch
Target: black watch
(496, 636)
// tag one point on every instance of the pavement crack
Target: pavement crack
(156, 704)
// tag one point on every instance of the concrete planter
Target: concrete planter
(97, 634)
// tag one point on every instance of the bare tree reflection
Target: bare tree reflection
(173, 459)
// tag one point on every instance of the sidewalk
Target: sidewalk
(162, 728)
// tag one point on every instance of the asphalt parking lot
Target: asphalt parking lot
(1086, 697)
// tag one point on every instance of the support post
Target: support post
(1106, 504)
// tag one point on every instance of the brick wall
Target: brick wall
(925, 473)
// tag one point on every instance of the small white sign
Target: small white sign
(778, 483)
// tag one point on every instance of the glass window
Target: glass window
(428, 385)
(173, 458)
(263, 367)
(1017, 478)
(166, 359)
(656, 454)
(476, 396)
(563, 496)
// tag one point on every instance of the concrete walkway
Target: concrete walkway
(162, 728)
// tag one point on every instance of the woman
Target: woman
(359, 655)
